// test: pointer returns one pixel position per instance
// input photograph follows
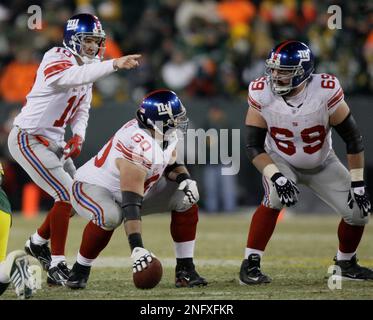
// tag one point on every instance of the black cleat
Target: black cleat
(250, 272)
(188, 277)
(351, 270)
(58, 275)
(78, 276)
(40, 252)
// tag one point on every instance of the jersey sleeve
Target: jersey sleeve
(60, 69)
(256, 88)
(79, 121)
(138, 153)
(333, 93)
(54, 64)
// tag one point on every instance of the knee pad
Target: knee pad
(111, 223)
(355, 218)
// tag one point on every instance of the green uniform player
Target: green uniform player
(14, 267)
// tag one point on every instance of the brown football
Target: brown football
(149, 277)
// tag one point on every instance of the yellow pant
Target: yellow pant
(5, 221)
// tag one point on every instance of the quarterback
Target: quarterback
(289, 120)
(133, 175)
(60, 96)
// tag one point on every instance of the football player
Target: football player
(289, 120)
(15, 267)
(133, 175)
(61, 95)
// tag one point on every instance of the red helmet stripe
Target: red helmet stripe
(281, 46)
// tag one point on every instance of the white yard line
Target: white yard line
(116, 262)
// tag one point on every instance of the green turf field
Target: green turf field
(297, 259)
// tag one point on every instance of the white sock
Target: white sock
(249, 251)
(184, 249)
(84, 261)
(56, 260)
(3, 276)
(36, 239)
(344, 256)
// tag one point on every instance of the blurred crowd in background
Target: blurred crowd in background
(201, 48)
(198, 48)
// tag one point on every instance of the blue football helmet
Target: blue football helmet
(162, 111)
(76, 29)
(294, 64)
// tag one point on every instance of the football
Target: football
(149, 277)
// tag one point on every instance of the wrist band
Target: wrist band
(269, 170)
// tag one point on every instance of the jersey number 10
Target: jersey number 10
(70, 103)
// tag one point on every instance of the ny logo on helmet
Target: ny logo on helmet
(97, 28)
(276, 58)
(164, 108)
(72, 24)
(304, 55)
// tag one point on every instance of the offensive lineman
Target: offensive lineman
(289, 120)
(61, 95)
(135, 174)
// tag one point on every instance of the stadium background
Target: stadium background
(206, 51)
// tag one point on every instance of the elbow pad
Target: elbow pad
(131, 205)
(350, 133)
(255, 141)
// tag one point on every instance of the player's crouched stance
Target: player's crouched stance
(289, 125)
(130, 177)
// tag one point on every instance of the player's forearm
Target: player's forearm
(84, 74)
(174, 173)
(356, 166)
(132, 226)
(265, 165)
(256, 153)
(79, 124)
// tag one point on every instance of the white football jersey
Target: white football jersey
(61, 95)
(135, 145)
(301, 133)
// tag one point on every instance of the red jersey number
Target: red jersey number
(144, 144)
(328, 82)
(258, 84)
(66, 52)
(99, 162)
(308, 135)
(286, 146)
(70, 103)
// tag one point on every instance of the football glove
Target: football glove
(286, 189)
(191, 195)
(73, 147)
(141, 258)
(359, 193)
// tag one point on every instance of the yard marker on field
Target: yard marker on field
(30, 200)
